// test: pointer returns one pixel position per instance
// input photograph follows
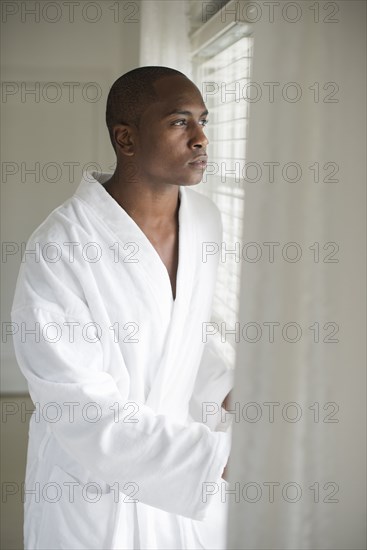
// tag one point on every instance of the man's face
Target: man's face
(171, 146)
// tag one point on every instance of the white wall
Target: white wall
(37, 52)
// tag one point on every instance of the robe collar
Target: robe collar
(126, 230)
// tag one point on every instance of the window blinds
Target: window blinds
(222, 69)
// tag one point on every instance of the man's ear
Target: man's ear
(124, 139)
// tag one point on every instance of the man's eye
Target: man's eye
(183, 122)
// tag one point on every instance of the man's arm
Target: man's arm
(169, 462)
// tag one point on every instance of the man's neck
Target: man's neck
(150, 207)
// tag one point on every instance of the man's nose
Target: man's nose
(199, 138)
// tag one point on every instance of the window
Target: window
(222, 53)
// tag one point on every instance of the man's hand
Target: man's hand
(225, 473)
(226, 405)
(227, 401)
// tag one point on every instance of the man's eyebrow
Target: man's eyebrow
(187, 113)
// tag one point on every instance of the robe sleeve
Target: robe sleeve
(170, 463)
(213, 383)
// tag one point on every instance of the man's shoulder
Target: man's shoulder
(76, 215)
(61, 223)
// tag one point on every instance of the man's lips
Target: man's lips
(199, 161)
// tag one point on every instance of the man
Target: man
(119, 451)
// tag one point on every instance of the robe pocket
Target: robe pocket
(75, 515)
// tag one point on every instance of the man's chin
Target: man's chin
(192, 181)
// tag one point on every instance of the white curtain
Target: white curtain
(164, 34)
(323, 453)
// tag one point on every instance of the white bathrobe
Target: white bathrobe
(119, 456)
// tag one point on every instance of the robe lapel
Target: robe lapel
(162, 397)
(134, 248)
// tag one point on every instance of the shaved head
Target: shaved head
(132, 93)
